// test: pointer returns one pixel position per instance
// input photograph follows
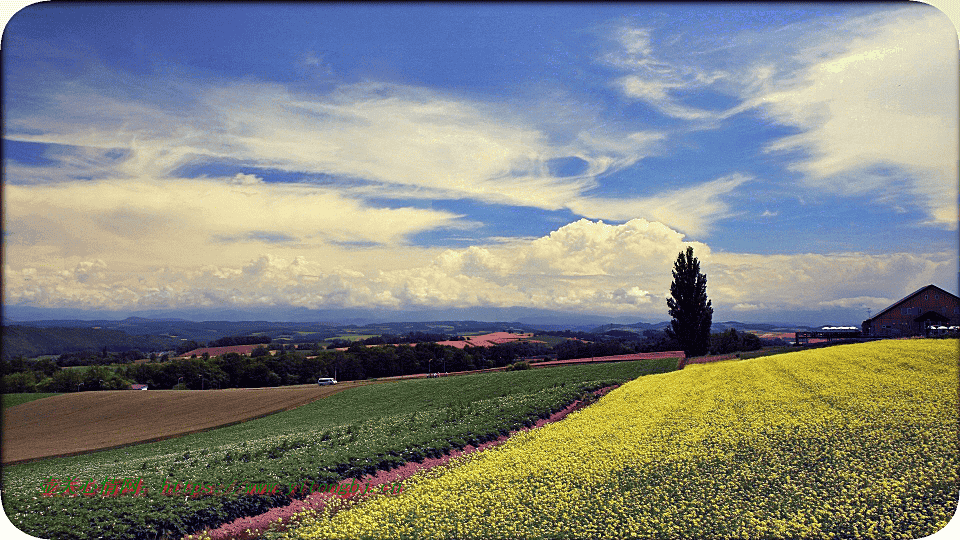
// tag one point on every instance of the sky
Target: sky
(389, 157)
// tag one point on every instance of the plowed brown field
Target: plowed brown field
(86, 421)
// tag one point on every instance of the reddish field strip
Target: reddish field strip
(217, 351)
(774, 335)
(615, 358)
(708, 359)
(489, 340)
(83, 422)
(486, 340)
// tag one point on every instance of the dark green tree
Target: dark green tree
(691, 310)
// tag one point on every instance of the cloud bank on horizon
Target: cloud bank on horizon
(399, 157)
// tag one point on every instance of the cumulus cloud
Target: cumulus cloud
(811, 281)
(872, 302)
(585, 266)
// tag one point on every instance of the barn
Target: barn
(915, 314)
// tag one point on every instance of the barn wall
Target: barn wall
(899, 321)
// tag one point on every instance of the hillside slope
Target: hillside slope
(854, 441)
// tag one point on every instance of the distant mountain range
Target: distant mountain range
(539, 318)
(715, 327)
(545, 318)
(174, 330)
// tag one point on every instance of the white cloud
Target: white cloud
(584, 266)
(405, 142)
(414, 143)
(657, 93)
(374, 140)
(878, 113)
(314, 65)
(874, 95)
(150, 222)
(655, 74)
(813, 281)
(691, 209)
(871, 302)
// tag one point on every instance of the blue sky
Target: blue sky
(410, 156)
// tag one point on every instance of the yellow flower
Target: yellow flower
(813, 444)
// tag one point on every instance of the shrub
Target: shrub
(518, 366)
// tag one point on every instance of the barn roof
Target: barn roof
(908, 297)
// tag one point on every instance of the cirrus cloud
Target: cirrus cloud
(872, 96)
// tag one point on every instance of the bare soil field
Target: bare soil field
(774, 335)
(83, 422)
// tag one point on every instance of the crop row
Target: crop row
(347, 435)
(854, 441)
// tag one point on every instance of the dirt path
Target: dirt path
(82, 422)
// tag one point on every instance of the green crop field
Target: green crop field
(353, 337)
(550, 341)
(10, 400)
(349, 434)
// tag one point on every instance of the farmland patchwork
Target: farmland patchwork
(854, 441)
(348, 435)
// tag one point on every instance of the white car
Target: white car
(325, 381)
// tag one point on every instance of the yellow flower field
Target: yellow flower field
(852, 441)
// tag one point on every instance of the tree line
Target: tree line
(233, 370)
(289, 367)
(230, 341)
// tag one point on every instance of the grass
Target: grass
(353, 337)
(551, 341)
(12, 400)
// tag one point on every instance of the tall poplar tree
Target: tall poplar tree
(689, 306)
